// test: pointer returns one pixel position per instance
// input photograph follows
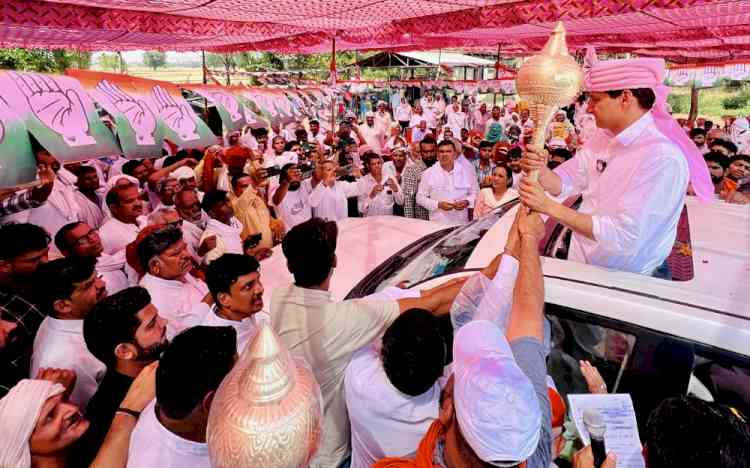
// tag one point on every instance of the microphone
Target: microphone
(596, 428)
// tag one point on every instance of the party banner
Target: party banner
(60, 115)
(230, 109)
(183, 127)
(17, 164)
(140, 133)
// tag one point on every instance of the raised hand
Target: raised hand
(60, 109)
(229, 103)
(178, 117)
(135, 110)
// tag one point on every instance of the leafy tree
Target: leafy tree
(155, 60)
(43, 60)
(111, 62)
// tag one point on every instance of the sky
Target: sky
(136, 57)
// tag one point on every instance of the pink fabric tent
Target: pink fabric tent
(679, 30)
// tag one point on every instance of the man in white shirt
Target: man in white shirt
(393, 387)
(327, 332)
(70, 288)
(222, 224)
(181, 298)
(80, 240)
(328, 198)
(421, 114)
(448, 188)
(403, 114)
(234, 283)
(122, 228)
(378, 192)
(171, 431)
(457, 119)
(374, 135)
(292, 197)
(633, 177)
(480, 117)
(88, 198)
(383, 117)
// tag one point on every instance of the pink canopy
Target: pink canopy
(678, 30)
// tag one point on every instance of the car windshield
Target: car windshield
(446, 255)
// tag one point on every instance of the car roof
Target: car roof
(363, 244)
(721, 258)
(713, 307)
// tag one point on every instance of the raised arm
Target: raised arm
(526, 316)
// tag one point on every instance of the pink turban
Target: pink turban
(612, 75)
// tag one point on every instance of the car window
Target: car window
(574, 340)
(726, 377)
(650, 365)
(448, 255)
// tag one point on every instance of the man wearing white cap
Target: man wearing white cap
(495, 408)
(373, 135)
(633, 173)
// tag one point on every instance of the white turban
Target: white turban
(182, 173)
(497, 409)
(112, 182)
(19, 410)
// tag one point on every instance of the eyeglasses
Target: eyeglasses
(87, 238)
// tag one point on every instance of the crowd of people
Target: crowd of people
(129, 287)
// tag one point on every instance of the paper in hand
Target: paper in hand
(621, 436)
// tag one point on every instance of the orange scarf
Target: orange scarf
(425, 452)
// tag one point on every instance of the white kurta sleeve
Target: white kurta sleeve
(363, 199)
(423, 195)
(398, 196)
(316, 196)
(473, 190)
(351, 189)
(658, 186)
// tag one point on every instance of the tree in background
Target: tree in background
(155, 60)
(112, 62)
(43, 60)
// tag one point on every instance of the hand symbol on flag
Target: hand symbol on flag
(179, 117)
(228, 102)
(61, 110)
(136, 111)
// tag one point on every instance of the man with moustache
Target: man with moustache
(126, 206)
(181, 298)
(78, 239)
(234, 283)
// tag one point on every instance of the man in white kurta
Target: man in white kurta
(378, 192)
(448, 189)
(59, 342)
(633, 176)
(291, 198)
(181, 298)
(127, 218)
(329, 197)
(373, 134)
(235, 284)
(190, 371)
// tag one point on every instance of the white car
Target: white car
(653, 338)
